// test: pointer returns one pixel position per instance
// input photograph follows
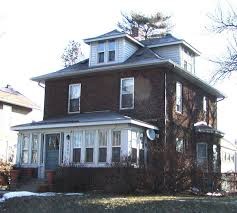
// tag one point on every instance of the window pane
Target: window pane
(24, 156)
(101, 57)
(77, 139)
(134, 155)
(204, 104)
(111, 55)
(102, 154)
(111, 45)
(179, 145)
(127, 100)
(127, 86)
(116, 154)
(116, 138)
(76, 155)
(141, 156)
(25, 143)
(34, 157)
(89, 138)
(89, 154)
(101, 47)
(75, 91)
(102, 138)
(52, 142)
(74, 105)
(202, 150)
(178, 97)
(34, 141)
(74, 96)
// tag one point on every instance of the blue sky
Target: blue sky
(34, 34)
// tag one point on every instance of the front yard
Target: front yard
(114, 203)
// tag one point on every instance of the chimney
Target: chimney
(134, 32)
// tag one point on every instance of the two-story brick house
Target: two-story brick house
(98, 111)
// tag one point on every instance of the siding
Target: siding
(187, 56)
(169, 52)
(129, 49)
(93, 54)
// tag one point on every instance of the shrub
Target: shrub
(4, 173)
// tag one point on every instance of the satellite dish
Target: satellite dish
(150, 133)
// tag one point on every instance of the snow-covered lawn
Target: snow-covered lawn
(10, 195)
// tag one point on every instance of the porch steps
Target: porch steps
(31, 185)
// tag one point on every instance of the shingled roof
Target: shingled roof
(11, 96)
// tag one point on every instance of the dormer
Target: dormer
(177, 50)
(111, 48)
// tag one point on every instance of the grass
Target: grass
(113, 203)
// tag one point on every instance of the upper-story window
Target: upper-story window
(74, 98)
(111, 54)
(204, 104)
(127, 93)
(179, 97)
(101, 52)
(185, 65)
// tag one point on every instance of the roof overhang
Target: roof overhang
(82, 124)
(182, 42)
(123, 35)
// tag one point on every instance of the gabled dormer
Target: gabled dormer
(177, 50)
(111, 48)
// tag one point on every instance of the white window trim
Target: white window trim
(28, 149)
(120, 107)
(70, 85)
(181, 98)
(116, 146)
(37, 148)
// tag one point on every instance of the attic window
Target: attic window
(101, 52)
(111, 55)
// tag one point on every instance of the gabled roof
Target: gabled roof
(112, 35)
(11, 96)
(166, 40)
(84, 119)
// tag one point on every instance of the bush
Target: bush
(4, 173)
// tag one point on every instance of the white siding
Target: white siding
(171, 52)
(129, 49)
(93, 54)
(187, 56)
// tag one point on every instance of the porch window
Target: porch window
(101, 52)
(89, 143)
(134, 147)
(77, 145)
(127, 93)
(103, 140)
(116, 146)
(179, 97)
(202, 155)
(74, 98)
(111, 56)
(25, 149)
(179, 145)
(34, 148)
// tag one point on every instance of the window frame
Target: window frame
(76, 135)
(116, 146)
(90, 146)
(121, 93)
(35, 149)
(111, 50)
(27, 149)
(177, 98)
(103, 146)
(69, 93)
(99, 51)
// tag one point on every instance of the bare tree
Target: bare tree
(226, 22)
(148, 26)
(72, 53)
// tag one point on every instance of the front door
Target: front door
(52, 151)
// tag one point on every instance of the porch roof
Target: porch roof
(83, 119)
(207, 129)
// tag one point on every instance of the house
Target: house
(15, 109)
(125, 96)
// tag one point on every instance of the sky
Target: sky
(34, 33)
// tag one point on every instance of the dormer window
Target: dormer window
(111, 55)
(101, 52)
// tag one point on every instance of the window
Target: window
(25, 148)
(202, 155)
(74, 98)
(134, 147)
(127, 93)
(34, 148)
(204, 104)
(185, 65)
(111, 54)
(116, 146)
(103, 135)
(215, 158)
(179, 145)
(178, 97)
(77, 145)
(101, 52)
(89, 144)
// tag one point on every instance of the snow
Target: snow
(215, 194)
(10, 195)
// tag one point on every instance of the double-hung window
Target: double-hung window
(127, 93)
(111, 50)
(179, 97)
(90, 144)
(103, 141)
(202, 155)
(77, 145)
(116, 146)
(204, 104)
(101, 52)
(25, 149)
(74, 98)
(134, 147)
(34, 148)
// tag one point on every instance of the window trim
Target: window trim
(113, 50)
(181, 97)
(103, 146)
(116, 146)
(79, 110)
(121, 80)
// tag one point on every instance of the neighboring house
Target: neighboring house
(100, 110)
(15, 108)
(228, 156)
